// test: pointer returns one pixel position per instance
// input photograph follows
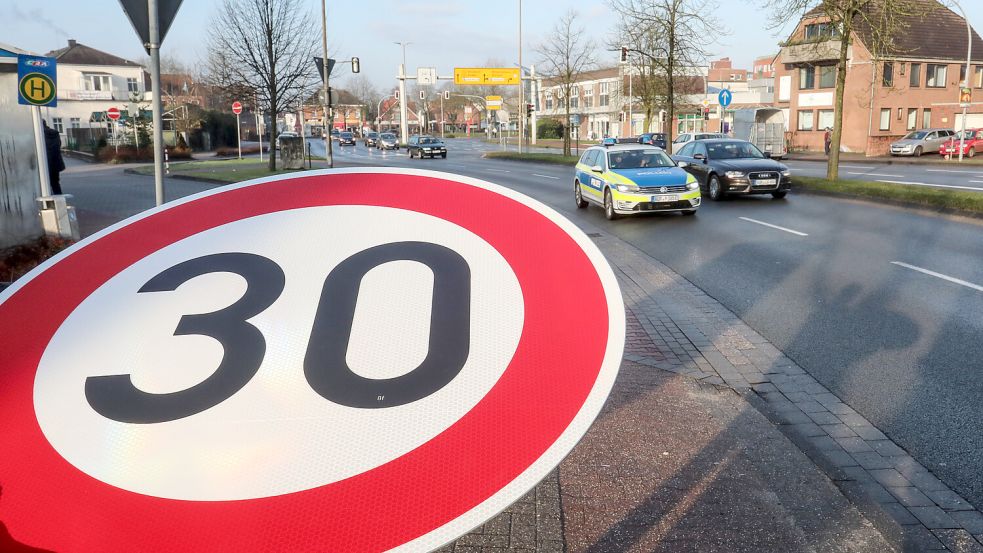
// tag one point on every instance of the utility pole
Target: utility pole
(969, 60)
(403, 127)
(534, 90)
(154, 47)
(522, 90)
(328, 120)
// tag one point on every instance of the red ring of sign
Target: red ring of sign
(49, 503)
(236, 108)
(112, 113)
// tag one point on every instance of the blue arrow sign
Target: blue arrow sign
(725, 97)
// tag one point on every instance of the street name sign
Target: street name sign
(237, 107)
(37, 81)
(725, 98)
(346, 360)
(486, 75)
(139, 14)
(113, 113)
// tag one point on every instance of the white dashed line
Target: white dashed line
(545, 176)
(954, 171)
(855, 167)
(795, 232)
(874, 174)
(939, 275)
(978, 189)
(499, 170)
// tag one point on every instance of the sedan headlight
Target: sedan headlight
(786, 173)
(627, 188)
(735, 174)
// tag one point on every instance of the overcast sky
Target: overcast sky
(444, 33)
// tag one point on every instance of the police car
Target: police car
(626, 179)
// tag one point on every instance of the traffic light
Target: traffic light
(396, 94)
(706, 114)
(624, 54)
(423, 95)
(621, 116)
(356, 66)
(529, 110)
(447, 94)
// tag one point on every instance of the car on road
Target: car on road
(971, 139)
(346, 139)
(654, 139)
(687, 137)
(387, 141)
(335, 134)
(921, 142)
(281, 136)
(370, 139)
(627, 179)
(731, 166)
(426, 146)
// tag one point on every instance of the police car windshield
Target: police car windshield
(733, 150)
(638, 159)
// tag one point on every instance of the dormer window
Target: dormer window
(97, 82)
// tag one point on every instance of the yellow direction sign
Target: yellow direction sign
(493, 102)
(486, 75)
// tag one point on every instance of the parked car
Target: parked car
(387, 141)
(921, 142)
(426, 146)
(335, 134)
(730, 166)
(972, 141)
(285, 134)
(653, 139)
(687, 137)
(370, 139)
(626, 179)
(346, 139)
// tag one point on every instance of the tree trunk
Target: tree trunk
(833, 166)
(271, 162)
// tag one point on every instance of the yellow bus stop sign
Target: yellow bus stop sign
(37, 88)
(36, 81)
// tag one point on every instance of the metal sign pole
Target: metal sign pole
(328, 119)
(239, 135)
(154, 47)
(259, 132)
(41, 152)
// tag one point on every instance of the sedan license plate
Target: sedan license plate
(765, 182)
(662, 198)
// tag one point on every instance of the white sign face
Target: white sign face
(426, 76)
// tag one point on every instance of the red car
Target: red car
(972, 144)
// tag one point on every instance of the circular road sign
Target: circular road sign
(37, 88)
(237, 107)
(112, 113)
(353, 360)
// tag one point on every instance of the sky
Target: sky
(444, 33)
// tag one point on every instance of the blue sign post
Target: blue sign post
(724, 98)
(37, 85)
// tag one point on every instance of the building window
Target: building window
(58, 124)
(935, 75)
(885, 119)
(574, 99)
(75, 123)
(926, 118)
(915, 76)
(807, 78)
(549, 100)
(821, 30)
(97, 82)
(827, 76)
(887, 76)
(805, 120)
(589, 97)
(912, 118)
(132, 85)
(605, 98)
(825, 119)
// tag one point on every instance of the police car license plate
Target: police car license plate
(765, 182)
(661, 198)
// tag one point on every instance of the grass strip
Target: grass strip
(556, 159)
(227, 170)
(941, 199)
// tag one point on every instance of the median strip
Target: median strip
(939, 275)
(963, 200)
(788, 230)
(932, 184)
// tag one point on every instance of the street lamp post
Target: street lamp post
(328, 118)
(969, 58)
(403, 126)
(522, 87)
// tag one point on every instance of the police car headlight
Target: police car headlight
(627, 188)
(692, 185)
(734, 175)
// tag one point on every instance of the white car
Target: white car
(285, 134)
(687, 137)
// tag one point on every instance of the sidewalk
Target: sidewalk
(713, 440)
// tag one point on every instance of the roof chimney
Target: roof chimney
(71, 43)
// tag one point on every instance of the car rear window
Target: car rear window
(347, 134)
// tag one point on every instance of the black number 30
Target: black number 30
(325, 366)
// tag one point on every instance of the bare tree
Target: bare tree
(566, 54)
(367, 94)
(877, 22)
(266, 45)
(673, 38)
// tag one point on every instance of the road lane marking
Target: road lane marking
(856, 167)
(750, 220)
(499, 170)
(976, 188)
(939, 275)
(874, 174)
(545, 176)
(954, 171)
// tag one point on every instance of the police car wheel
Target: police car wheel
(609, 211)
(716, 191)
(578, 195)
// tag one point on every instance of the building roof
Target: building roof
(79, 54)
(937, 34)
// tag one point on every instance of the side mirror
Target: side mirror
(597, 169)
(682, 164)
(700, 157)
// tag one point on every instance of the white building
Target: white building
(89, 82)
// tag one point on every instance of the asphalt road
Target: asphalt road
(844, 288)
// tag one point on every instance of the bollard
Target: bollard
(167, 163)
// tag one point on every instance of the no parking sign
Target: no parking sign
(354, 360)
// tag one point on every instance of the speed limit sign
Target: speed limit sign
(353, 360)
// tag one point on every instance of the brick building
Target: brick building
(914, 85)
